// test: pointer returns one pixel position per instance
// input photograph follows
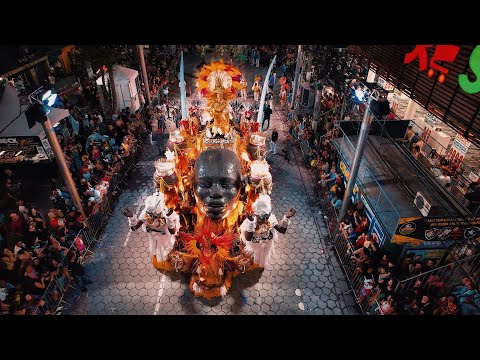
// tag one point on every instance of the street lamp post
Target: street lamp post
(297, 72)
(62, 165)
(316, 112)
(344, 103)
(357, 159)
(148, 100)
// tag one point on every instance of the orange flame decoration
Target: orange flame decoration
(171, 196)
(182, 164)
(206, 245)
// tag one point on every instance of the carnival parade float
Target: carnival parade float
(210, 215)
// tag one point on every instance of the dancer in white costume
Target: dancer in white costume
(159, 222)
(260, 230)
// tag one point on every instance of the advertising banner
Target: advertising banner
(459, 148)
(416, 230)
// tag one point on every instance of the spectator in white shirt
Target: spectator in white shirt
(444, 179)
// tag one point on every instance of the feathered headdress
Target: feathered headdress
(263, 205)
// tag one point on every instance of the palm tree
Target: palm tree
(103, 56)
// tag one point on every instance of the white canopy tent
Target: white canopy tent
(11, 108)
(125, 87)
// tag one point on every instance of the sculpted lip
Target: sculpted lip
(215, 205)
(216, 209)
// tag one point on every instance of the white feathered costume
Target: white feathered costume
(156, 224)
(264, 235)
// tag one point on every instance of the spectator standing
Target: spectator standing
(288, 148)
(269, 99)
(271, 82)
(256, 90)
(267, 112)
(160, 138)
(77, 270)
(273, 142)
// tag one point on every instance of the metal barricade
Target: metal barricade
(51, 298)
(95, 221)
(104, 208)
(448, 275)
(305, 149)
(329, 213)
(55, 293)
(84, 241)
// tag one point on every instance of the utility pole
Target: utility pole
(318, 104)
(297, 72)
(317, 108)
(62, 165)
(357, 159)
(344, 103)
(148, 100)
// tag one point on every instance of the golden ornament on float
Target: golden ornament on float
(165, 170)
(176, 141)
(260, 177)
(256, 146)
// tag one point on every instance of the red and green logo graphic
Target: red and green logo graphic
(446, 53)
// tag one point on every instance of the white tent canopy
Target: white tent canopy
(121, 74)
(125, 87)
(10, 108)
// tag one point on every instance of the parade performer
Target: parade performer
(161, 224)
(256, 89)
(243, 92)
(260, 230)
(283, 96)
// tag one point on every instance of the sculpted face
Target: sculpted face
(217, 182)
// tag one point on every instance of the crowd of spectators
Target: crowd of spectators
(96, 148)
(33, 247)
(380, 271)
(163, 68)
(382, 274)
(39, 248)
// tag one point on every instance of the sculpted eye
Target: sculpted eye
(226, 184)
(204, 184)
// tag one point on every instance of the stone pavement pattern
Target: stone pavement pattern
(303, 276)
